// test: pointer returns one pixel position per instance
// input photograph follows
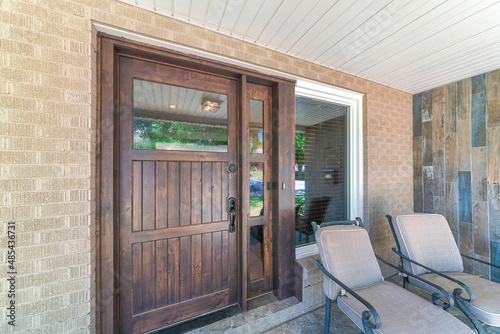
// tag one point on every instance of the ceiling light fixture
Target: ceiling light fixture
(172, 106)
(210, 105)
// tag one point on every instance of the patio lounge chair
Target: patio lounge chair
(427, 248)
(353, 278)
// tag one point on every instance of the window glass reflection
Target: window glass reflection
(256, 126)
(168, 117)
(256, 189)
(256, 252)
(320, 165)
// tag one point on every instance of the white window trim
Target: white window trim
(354, 101)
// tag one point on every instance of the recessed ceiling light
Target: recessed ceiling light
(173, 106)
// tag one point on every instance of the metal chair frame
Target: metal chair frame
(460, 301)
(368, 326)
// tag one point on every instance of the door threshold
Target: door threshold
(261, 300)
(198, 322)
(215, 316)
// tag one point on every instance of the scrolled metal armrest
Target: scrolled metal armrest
(471, 298)
(371, 312)
(435, 296)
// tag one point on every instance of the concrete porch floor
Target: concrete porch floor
(259, 319)
(313, 322)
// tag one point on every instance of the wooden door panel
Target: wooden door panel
(161, 192)
(169, 271)
(171, 262)
(169, 274)
(167, 194)
(177, 258)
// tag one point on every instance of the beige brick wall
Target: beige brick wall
(47, 140)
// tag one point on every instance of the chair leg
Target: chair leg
(405, 282)
(328, 309)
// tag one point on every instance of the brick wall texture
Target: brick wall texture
(48, 132)
(456, 133)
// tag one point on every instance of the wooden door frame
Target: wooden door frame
(110, 48)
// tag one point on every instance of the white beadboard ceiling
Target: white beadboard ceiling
(411, 45)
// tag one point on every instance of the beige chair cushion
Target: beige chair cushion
(486, 307)
(401, 311)
(427, 239)
(346, 253)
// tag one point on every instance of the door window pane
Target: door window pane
(168, 117)
(256, 126)
(256, 189)
(320, 165)
(256, 252)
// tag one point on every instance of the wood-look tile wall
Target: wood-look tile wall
(456, 163)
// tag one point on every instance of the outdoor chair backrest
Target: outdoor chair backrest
(346, 252)
(315, 212)
(427, 239)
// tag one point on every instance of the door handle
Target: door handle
(231, 209)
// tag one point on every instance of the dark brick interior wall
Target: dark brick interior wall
(456, 163)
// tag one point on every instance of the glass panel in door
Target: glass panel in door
(169, 117)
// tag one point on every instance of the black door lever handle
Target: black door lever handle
(231, 209)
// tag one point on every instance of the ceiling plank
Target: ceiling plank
(406, 44)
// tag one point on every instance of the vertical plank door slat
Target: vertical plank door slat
(196, 266)
(196, 193)
(224, 260)
(216, 192)
(148, 276)
(206, 192)
(173, 270)
(185, 268)
(161, 273)
(224, 191)
(216, 261)
(136, 196)
(148, 195)
(185, 194)
(206, 253)
(137, 278)
(173, 194)
(161, 194)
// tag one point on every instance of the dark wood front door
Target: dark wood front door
(178, 140)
